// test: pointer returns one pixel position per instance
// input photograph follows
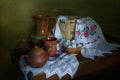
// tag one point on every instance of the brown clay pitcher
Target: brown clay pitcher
(44, 24)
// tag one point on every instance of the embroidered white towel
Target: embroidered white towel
(90, 34)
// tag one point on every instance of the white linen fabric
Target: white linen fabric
(89, 33)
(56, 30)
(63, 64)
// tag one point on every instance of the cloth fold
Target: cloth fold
(56, 30)
(89, 33)
(63, 64)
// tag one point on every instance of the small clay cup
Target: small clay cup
(50, 46)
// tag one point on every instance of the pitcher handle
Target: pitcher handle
(23, 62)
(53, 24)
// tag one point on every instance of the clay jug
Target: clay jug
(37, 57)
(23, 48)
(44, 24)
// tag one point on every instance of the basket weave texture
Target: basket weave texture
(73, 50)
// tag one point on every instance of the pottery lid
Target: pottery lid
(37, 50)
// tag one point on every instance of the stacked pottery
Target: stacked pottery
(44, 25)
(40, 53)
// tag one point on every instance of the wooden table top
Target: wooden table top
(86, 65)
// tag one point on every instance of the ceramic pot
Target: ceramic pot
(50, 44)
(44, 24)
(23, 48)
(37, 57)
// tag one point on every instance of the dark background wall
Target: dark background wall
(16, 21)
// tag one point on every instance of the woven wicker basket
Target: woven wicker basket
(73, 50)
